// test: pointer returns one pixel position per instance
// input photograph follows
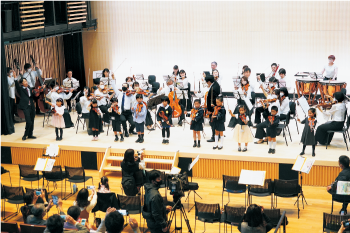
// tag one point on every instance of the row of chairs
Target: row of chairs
(231, 216)
(12, 227)
(274, 188)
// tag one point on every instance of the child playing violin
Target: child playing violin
(271, 130)
(164, 115)
(197, 120)
(57, 117)
(139, 111)
(218, 119)
(308, 136)
(242, 132)
(115, 117)
(95, 121)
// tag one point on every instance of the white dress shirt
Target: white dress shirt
(103, 99)
(67, 82)
(165, 90)
(128, 101)
(337, 112)
(11, 83)
(184, 83)
(31, 77)
(330, 70)
(284, 107)
(249, 92)
(276, 103)
(84, 102)
(53, 96)
(288, 83)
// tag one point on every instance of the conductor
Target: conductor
(213, 92)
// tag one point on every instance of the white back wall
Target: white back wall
(154, 36)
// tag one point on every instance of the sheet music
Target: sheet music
(304, 104)
(343, 188)
(298, 164)
(52, 150)
(193, 163)
(308, 165)
(252, 177)
(49, 165)
(40, 164)
(174, 159)
(175, 170)
(303, 164)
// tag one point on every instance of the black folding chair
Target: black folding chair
(340, 198)
(287, 189)
(210, 213)
(80, 119)
(4, 171)
(230, 185)
(9, 227)
(344, 131)
(27, 173)
(75, 175)
(285, 127)
(55, 175)
(261, 191)
(104, 201)
(332, 223)
(40, 200)
(293, 113)
(233, 216)
(274, 215)
(131, 204)
(12, 195)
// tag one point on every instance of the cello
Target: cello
(39, 91)
(174, 104)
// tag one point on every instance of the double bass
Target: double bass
(174, 104)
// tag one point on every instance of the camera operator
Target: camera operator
(132, 172)
(344, 175)
(255, 220)
(344, 226)
(154, 210)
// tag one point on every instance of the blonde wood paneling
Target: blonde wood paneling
(99, 159)
(321, 175)
(154, 36)
(48, 54)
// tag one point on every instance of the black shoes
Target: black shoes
(239, 149)
(180, 123)
(141, 138)
(121, 138)
(270, 151)
(24, 137)
(126, 134)
(165, 141)
(211, 140)
(313, 154)
(215, 147)
(219, 148)
(138, 139)
(32, 137)
(57, 138)
(116, 138)
(244, 150)
(133, 132)
(195, 144)
(302, 153)
(273, 151)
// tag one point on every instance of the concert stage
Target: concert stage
(78, 149)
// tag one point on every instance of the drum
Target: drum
(306, 86)
(331, 87)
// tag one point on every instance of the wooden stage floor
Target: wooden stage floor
(181, 139)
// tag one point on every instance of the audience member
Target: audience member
(30, 199)
(344, 175)
(84, 201)
(55, 224)
(103, 186)
(342, 228)
(255, 220)
(74, 212)
(38, 212)
(131, 169)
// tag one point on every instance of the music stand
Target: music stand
(152, 105)
(190, 166)
(74, 101)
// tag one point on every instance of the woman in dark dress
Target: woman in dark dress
(308, 136)
(132, 172)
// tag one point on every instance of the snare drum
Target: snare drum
(331, 87)
(307, 86)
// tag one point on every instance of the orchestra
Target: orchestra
(111, 105)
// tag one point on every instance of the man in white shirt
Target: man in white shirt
(11, 86)
(71, 82)
(125, 103)
(214, 66)
(285, 82)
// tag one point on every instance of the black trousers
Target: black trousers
(104, 110)
(70, 99)
(29, 114)
(149, 120)
(321, 132)
(167, 130)
(212, 126)
(345, 205)
(260, 132)
(258, 112)
(182, 116)
(12, 109)
(127, 116)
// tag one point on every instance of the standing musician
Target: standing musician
(139, 111)
(146, 95)
(101, 96)
(130, 81)
(85, 103)
(331, 69)
(11, 76)
(217, 76)
(32, 76)
(166, 91)
(176, 71)
(197, 121)
(71, 82)
(337, 114)
(252, 81)
(27, 105)
(125, 101)
(213, 93)
(183, 101)
(244, 88)
(285, 82)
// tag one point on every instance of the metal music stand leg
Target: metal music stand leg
(301, 194)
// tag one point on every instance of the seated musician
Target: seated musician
(285, 82)
(331, 69)
(166, 91)
(337, 114)
(270, 95)
(71, 82)
(125, 103)
(344, 175)
(176, 71)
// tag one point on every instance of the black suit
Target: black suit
(215, 89)
(344, 175)
(26, 103)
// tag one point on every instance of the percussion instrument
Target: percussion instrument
(307, 87)
(328, 88)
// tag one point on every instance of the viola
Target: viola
(174, 104)
(311, 123)
(216, 111)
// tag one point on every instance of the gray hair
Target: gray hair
(38, 210)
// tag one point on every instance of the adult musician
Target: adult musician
(176, 71)
(11, 75)
(27, 105)
(166, 91)
(125, 103)
(213, 92)
(285, 82)
(85, 107)
(183, 78)
(337, 114)
(71, 82)
(331, 69)
(31, 76)
(217, 77)
(214, 66)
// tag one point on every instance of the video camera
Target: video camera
(177, 184)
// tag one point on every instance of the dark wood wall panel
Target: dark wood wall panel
(48, 53)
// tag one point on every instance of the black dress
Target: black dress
(219, 120)
(271, 130)
(95, 120)
(116, 123)
(308, 137)
(197, 123)
(168, 113)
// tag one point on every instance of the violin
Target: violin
(245, 87)
(64, 89)
(130, 92)
(139, 108)
(193, 114)
(142, 92)
(311, 123)
(96, 110)
(216, 111)
(174, 104)
(243, 118)
(107, 90)
(163, 116)
(271, 119)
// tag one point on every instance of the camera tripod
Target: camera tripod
(178, 206)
